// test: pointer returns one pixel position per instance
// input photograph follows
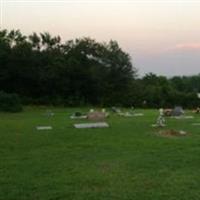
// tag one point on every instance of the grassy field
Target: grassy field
(127, 161)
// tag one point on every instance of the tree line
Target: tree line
(42, 69)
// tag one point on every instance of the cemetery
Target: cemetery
(99, 100)
(98, 157)
(77, 122)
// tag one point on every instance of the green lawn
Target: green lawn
(127, 161)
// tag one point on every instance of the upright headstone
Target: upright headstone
(96, 116)
(177, 111)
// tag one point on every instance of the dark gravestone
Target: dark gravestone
(177, 111)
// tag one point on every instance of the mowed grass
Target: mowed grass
(127, 161)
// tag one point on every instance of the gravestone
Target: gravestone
(92, 125)
(115, 110)
(49, 113)
(78, 115)
(96, 116)
(39, 128)
(177, 111)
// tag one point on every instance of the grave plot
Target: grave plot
(40, 128)
(92, 125)
(172, 133)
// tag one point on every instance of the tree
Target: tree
(41, 69)
(35, 41)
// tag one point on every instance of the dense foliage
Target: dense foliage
(10, 102)
(43, 70)
(159, 91)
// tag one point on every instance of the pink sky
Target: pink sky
(188, 46)
(158, 34)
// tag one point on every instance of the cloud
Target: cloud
(187, 46)
(191, 47)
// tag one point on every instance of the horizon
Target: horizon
(161, 37)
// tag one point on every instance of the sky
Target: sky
(162, 36)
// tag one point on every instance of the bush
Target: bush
(10, 102)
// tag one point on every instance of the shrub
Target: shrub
(10, 102)
(77, 114)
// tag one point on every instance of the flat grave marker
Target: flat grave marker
(92, 125)
(40, 128)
